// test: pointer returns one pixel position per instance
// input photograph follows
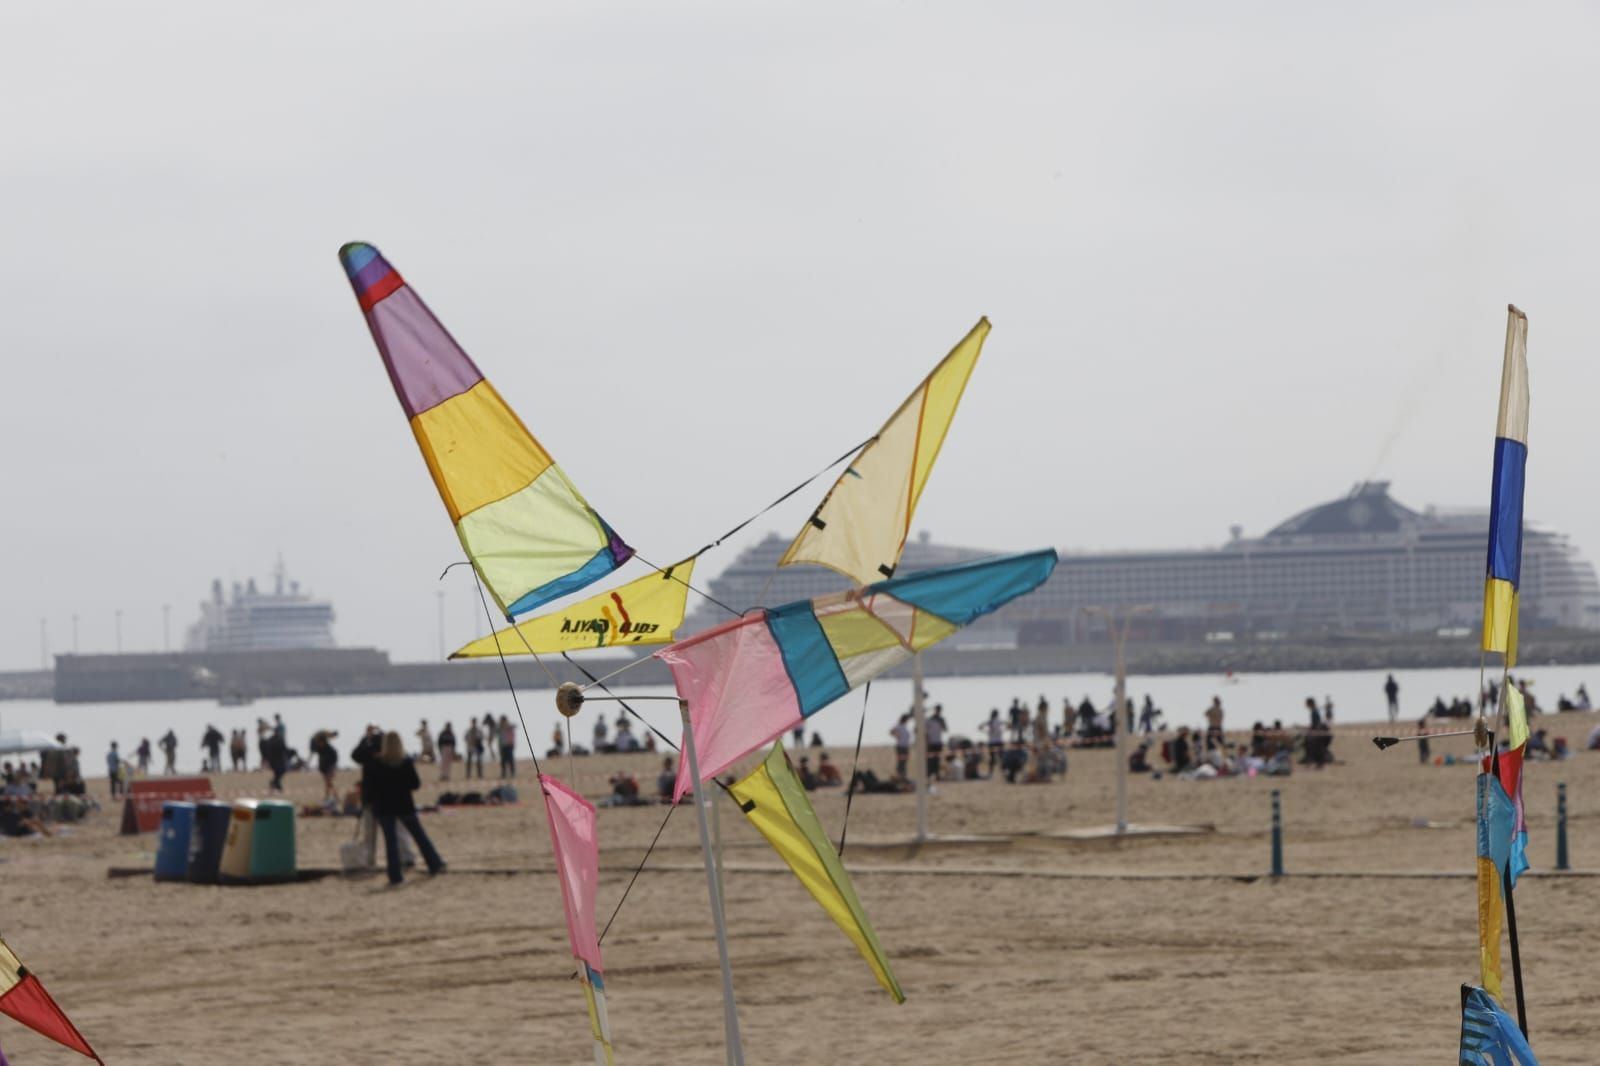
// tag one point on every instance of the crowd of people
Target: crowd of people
(25, 810)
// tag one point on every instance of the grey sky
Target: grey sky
(1235, 262)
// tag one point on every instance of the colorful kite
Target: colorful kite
(648, 610)
(577, 851)
(1489, 1036)
(23, 998)
(753, 679)
(529, 534)
(862, 524)
(1500, 590)
(774, 800)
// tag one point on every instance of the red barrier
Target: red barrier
(141, 811)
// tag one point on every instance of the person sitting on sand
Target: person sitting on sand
(666, 780)
(16, 820)
(827, 773)
(1139, 761)
(807, 777)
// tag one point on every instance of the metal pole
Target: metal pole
(1119, 725)
(730, 1009)
(440, 594)
(1277, 834)
(919, 750)
(1561, 827)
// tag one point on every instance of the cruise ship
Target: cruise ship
(251, 620)
(1364, 563)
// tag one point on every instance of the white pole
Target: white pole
(730, 1009)
(919, 750)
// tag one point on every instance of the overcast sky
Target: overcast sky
(1237, 258)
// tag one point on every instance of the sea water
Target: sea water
(1358, 696)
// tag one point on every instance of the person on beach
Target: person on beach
(212, 743)
(169, 750)
(237, 750)
(327, 757)
(935, 741)
(114, 770)
(143, 753)
(666, 781)
(390, 791)
(447, 751)
(1391, 689)
(995, 731)
(1422, 740)
(474, 748)
(508, 748)
(425, 743)
(1214, 722)
(902, 744)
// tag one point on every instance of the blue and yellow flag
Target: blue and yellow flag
(1489, 1036)
(1504, 577)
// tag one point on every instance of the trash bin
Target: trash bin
(177, 831)
(211, 821)
(272, 853)
(235, 865)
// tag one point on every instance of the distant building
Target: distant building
(1363, 563)
(251, 620)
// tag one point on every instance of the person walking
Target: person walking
(169, 749)
(393, 780)
(447, 751)
(212, 743)
(1391, 689)
(237, 749)
(143, 752)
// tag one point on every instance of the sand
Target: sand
(1029, 949)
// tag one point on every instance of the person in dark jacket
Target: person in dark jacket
(387, 784)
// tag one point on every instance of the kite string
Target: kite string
(515, 702)
(636, 872)
(850, 793)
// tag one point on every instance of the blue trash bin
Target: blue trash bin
(211, 833)
(177, 830)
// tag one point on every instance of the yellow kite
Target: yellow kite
(861, 526)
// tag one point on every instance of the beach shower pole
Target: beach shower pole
(1561, 827)
(730, 1009)
(919, 750)
(1119, 710)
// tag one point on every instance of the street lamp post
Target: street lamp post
(1119, 710)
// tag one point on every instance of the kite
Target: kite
(1489, 1037)
(754, 678)
(529, 534)
(774, 800)
(577, 851)
(648, 610)
(24, 999)
(1504, 577)
(861, 526)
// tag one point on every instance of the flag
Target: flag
(577, 851)
(1504, 578)
(1489, 1036)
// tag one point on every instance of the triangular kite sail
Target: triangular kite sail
(1489, 1036)
(577, 851)
(530, 535)
(754, 678)
(862, 524)
(23, 998)
(774, 800)
(1504, 577)
(1496, 819)
(648, 610)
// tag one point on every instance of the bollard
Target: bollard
(1277, 835)
(1561, 827)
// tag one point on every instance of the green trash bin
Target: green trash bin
(272, 851)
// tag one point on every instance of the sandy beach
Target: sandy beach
(1027, 948)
